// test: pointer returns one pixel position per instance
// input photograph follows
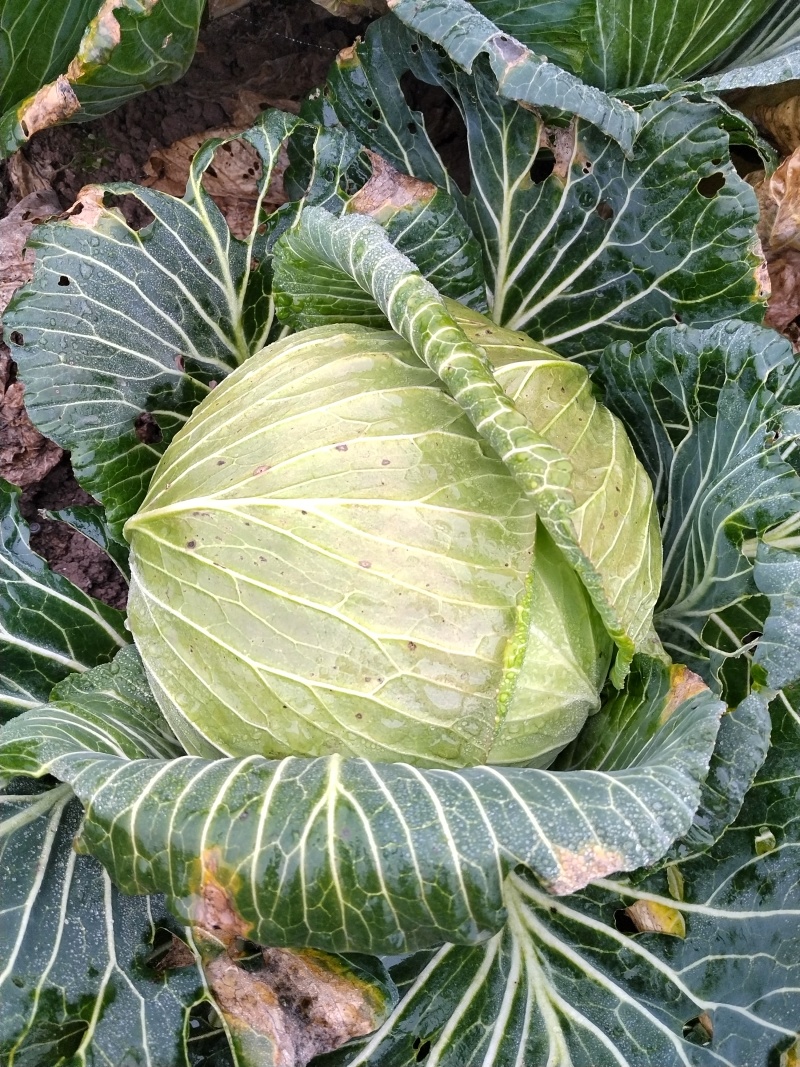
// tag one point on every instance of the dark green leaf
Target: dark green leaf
(48, 627)
(465, 34)
(565, 982)
(348, 855)
(82, 58)
(79, 980)
(767, 55)
(706, 412)
(123, 332)
(582, 246)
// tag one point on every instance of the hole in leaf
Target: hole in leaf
(751, 637)
(147, 429)
(423, 1049)
(711, 185)
(210, 170)
(411, 127)
(443, 124)
(63, 280)
(543, 166)
(25, 129)
(624, 923)
(376, 114)
(415, 48)
(604, 210)
(17, 338)
(699, 1030)
(368, 102)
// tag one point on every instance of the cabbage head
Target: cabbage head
(331, 559)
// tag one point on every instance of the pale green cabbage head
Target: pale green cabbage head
(330, 559)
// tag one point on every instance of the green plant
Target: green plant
(634, 902)
(76, 60)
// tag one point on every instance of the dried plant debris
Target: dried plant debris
(779, 232)
(231, 180)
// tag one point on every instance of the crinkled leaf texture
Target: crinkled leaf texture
(121, 333)
(715, 424)
(582, 245)
(48, 627)
(320, 248)
(79, 981)
(521, 76)
(78, 59)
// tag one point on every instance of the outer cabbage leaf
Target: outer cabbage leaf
(79, 59)
(713, 419)
(617, 45)
(347, 855)
(48, 627)
(120, 333)
(79, 981)
(695, 964)
(603, 247)
(521, 76)
(767, 55)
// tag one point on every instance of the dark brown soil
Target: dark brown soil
(278, 49)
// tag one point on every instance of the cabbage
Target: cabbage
(332, 559)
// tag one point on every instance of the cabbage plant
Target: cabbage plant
(192, 874)
(426, 614)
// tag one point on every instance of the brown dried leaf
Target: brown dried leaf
(177, 955)
(776, 111)
(355, 10)
(231, 180)
(53, 103)
(298, 1005)
(16, 263)
(779, 233)
(24, 176)
(388, 191)
(25, 456)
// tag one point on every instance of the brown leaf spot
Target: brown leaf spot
(303, 1003)
(684, 685)
(177, 955)
(577, 869)
(509, 49)
(652, 918)
(214, 909)
(232, 179)
(388, 191)
(88, 207)
(53, 103)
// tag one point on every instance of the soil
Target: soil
(271, 52)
